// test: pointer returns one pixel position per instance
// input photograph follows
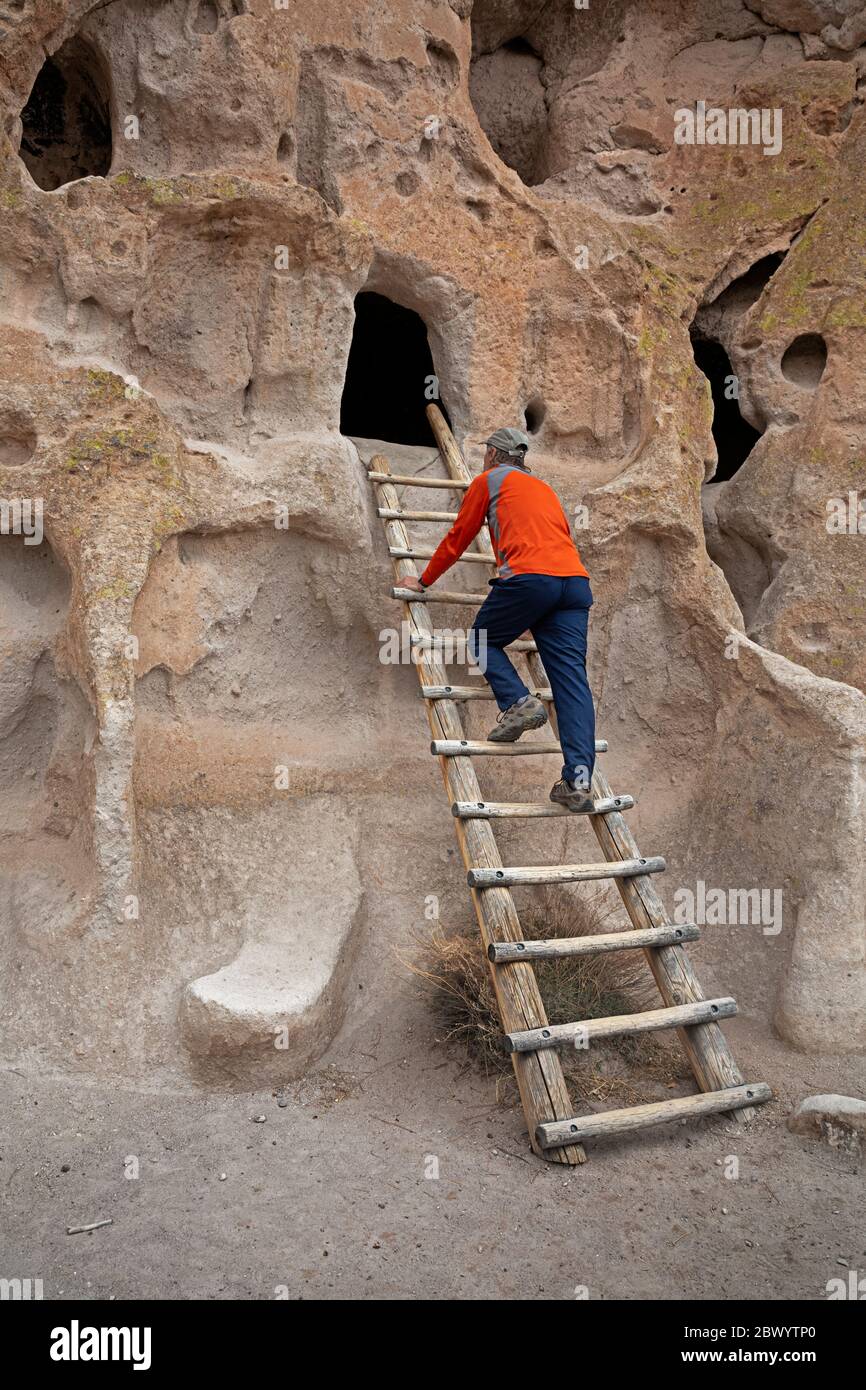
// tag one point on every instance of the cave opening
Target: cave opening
(522, 46)
(66, 123)
(507, 90)
(735, 438)
(390, 376)
(747, 289)
(534, 414)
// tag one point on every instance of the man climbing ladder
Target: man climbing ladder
(555, 1131)
(542, 586)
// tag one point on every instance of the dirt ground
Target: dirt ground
(334, 1195)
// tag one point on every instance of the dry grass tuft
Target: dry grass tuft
(454, 970)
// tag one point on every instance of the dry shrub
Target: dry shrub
(454, 969)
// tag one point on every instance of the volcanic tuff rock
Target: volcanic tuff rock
(219, 814)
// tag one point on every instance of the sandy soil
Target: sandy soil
(328, 1198)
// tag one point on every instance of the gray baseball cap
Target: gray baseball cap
(510, 441)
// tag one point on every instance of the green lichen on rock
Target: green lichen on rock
(650, 338)
(116, 589)
(159, 191)
(225, 188)
(165, 191)
(848, 311)
(105, 386)
(165, 471)
(122, 447)
(169, 521)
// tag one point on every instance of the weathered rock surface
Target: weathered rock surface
(839, 1120)
(277, 1005)
(191, 197)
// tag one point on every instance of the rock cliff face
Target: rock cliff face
(219, 816)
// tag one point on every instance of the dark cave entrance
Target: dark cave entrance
(390, 377)
(67, 122)
(735, 437)
(717, 323)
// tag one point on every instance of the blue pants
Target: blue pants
(556, 612)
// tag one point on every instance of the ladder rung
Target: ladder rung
(439, 596)
(565, 873)
(503, 952)
(406, 480)
(468, 557)
(531, 810)
(417, 639)
(621, 1026)
(611, 1122)
(471, 748)
(470, 692)
(395, 514)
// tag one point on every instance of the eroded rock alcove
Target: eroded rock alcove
(220, 817)
(66, 124)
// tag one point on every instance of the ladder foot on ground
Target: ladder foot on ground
(616, 1122)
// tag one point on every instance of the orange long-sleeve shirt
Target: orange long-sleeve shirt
(528, 527)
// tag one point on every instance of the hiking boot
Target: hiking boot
(528, 713)
(572, 796)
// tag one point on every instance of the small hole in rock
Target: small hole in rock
(478, 209)
(207, 19)
(534, 415)
(804, 361)
(17, 439)
(407, 183)
(544, 247)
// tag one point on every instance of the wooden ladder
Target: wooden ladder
(555, 1132)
